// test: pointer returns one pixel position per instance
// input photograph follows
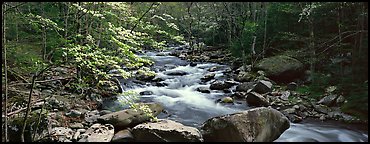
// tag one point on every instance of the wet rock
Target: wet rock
(263, 87)
(208, 77)
(244, 87)
(175, 73)
(98, 133)
(227, 100)
(146, 93)
(254, 125)
(193, 64)
(281, 68)
(160, 84)
(157, 79)
(76, 126)
(329, 100)
(144, 77)
(74, 113)
(166, 131)
(292, 86)
(256, 99)
(123, 136)
(203, 90)
(130, 117)
(213, 69)
(219, 85)
(62, 134)
(244, 77)
(322, 118)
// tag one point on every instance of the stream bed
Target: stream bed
(186, 105)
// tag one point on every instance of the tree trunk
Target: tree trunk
(44, 36)
(190, 39)
(6, 75)
(312, 48)
(265, 32)
(28, 108)
(66, 21)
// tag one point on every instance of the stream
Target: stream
(186, 105)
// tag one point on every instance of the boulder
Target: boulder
(166, 131)
(130, 117)
(329, 100)
(203, 90)
(144, 77)
(256, 99)
(193, 64)
(340, 100)
(219, 85)
(239, 95)
(244, 87)
(208, 77)
(292, 86)
(253, 125)
(262, 87)
(213, 69)
(244, 77)
(175, 73)
(281, 68)
(62, 134)
(123, 136)
(98, 133)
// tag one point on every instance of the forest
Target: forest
(184, 71)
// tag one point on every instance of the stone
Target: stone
(74, 113)
(262, 87)
(289, 110)
(166, 131)
(244, 87)
(123, 136)
(62, 134)
(130, 117)
(340, 100)
(146, 93)
(213, 69)
(208, 77)
(227, 100)
(292, 86)
(175, 73)
(98, 133)
(193, 64)
(329, 100)
(91, 116)
(296, 107)
(219, 85)
(244, 77)
(322, 108)
(104, 112)
(256, 99)
(254, 125)
(281, 68)
(322, 118)
(76, 126)
(285, 95)
(203, 90)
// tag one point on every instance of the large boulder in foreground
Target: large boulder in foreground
(166, 131)
(281, 68)
(255, 125)
(130, 117)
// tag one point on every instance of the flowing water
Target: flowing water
(186, 105)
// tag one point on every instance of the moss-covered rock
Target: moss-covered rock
(281, 68)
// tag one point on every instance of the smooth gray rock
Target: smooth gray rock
(130, 117)
(262, 87)
(244, 87)
(253, 125)
(166, 131)
(123, 136)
